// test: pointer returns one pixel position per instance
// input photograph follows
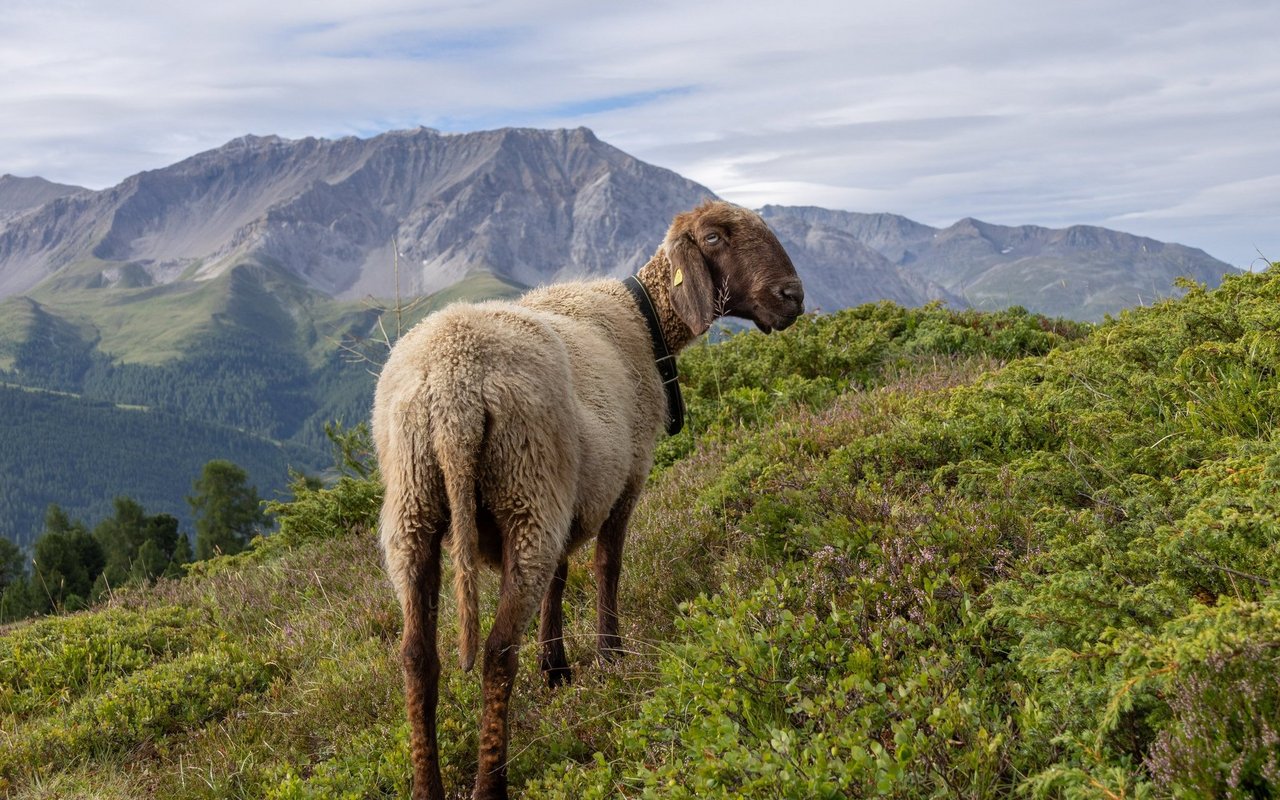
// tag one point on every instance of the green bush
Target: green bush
(372, 764)
(180, 695)
(45, 664)
(744, 381)
(349, 506)
(770, 696)
(1079, 550)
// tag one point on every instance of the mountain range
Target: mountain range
(226, 289)
(529, 206)
(1083, 272)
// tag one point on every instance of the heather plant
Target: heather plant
(1223, 736)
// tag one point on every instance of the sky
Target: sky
(1155, 117)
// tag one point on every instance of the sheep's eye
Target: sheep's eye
(712, 238)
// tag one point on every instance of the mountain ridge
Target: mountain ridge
(330, 210)
(1081, 272)
(530, 206)
(19, 195)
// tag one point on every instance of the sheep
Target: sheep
(517, 431)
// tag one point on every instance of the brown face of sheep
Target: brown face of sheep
(726, 262)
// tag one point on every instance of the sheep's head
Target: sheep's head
(726, 262)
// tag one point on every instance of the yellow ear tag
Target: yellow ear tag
(679, 278)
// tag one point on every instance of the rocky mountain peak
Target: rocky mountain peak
(19, 195)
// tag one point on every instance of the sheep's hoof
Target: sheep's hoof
(558, 675)
(610, 649)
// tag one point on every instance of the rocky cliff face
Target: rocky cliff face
(36, 242)
(840, 269)
(19, 195)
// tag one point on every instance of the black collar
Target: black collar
(662, 356)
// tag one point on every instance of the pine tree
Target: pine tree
(11, 569)
(181, 557)
(119, 536)
(18, 601)
(15, 599)
(149, 563)
(68, 560)
(227, 509)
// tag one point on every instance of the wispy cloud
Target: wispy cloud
(1155, 117)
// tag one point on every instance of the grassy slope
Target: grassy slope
(886, 565)
(158, 324)
(16, 318)
(1066, 286)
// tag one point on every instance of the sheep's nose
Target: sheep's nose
(793, 291)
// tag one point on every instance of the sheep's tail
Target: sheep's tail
(457, 445)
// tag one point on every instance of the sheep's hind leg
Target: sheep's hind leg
(554, 663)
(608, 568)
(421, 663)
(517, 601)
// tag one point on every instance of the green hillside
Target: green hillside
(900, 553)
(247, 366)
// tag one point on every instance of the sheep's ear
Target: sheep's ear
(692, 294)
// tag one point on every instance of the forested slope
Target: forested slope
(81, 454)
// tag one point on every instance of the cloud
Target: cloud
(1150, 116)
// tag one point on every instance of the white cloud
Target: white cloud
(1155, 117)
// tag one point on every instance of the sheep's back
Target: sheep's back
(616, 387)
(567, 382)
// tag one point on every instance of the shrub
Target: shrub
(178, 695)
(371, 764)
(51, 661)
(877, 563)
(743, 381)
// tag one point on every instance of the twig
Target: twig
(1230, 571)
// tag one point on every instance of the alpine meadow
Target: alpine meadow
(894, 553)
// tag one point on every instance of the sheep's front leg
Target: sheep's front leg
(608, 568)
(554, 663)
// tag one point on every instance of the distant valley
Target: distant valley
(212, 298)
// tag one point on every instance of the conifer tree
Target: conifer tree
(67, 561)
(11, 569)
(227, 509)
(119, 536)
(15, 599)
(181, 557)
